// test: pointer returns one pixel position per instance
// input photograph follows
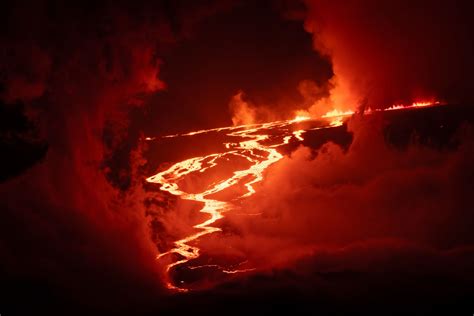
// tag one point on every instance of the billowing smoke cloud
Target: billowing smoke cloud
(357, 209)
(390, 52)
(242, 111)
(333, 197)
(79, 69)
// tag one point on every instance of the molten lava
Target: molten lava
(258, 145)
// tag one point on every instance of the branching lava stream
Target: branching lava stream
(259, 147)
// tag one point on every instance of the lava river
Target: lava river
(258, 145)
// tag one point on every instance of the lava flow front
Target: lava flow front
(257, 146)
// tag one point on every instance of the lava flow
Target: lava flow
(258, 145)
(252, 149)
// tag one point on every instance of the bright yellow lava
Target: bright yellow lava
(253, 148)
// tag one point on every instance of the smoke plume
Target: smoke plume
(79, 70)
(391, 52)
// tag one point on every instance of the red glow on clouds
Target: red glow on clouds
(389, 53)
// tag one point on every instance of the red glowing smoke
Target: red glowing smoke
(389, 52)
(79, 70)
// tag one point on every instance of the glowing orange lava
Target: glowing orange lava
(251, 148)
(254, 147)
